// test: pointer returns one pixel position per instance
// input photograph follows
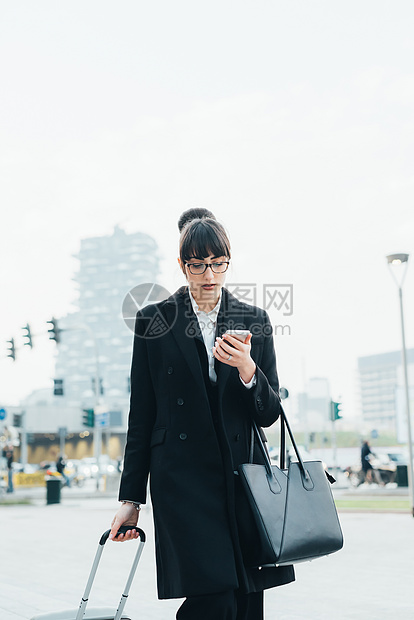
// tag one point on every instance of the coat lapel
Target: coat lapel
(185, 328)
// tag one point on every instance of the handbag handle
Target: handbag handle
(283, 424)
(255, 432)
(282, 450)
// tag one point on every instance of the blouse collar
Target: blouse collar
(212, 314)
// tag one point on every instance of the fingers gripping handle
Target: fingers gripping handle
(122, 530)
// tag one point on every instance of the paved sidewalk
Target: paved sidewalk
(47, 551)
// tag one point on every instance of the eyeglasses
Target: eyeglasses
(197, 269)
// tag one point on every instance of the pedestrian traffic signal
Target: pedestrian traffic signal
(88, 418)
(27, 334)
(58, 387)
(11, 349)
(335, 411)
(54, 331)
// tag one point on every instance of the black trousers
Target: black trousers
(230, 605)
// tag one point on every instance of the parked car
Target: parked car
(88, 466)
(29, 468)
(398, 457)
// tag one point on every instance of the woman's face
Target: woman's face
(205, 288)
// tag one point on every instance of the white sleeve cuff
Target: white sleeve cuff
(251, 383)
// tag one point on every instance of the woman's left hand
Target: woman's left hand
(232, 352)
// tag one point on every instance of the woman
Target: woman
(194, 394)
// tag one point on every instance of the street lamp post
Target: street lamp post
(402, 259)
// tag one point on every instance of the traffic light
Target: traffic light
(88, 418)
(54, 331)
(335, 411)
(58, 387)
(27, 334)
(11, 349)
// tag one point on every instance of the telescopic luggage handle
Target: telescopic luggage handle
(102, 541)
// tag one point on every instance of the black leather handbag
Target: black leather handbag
(292, 510)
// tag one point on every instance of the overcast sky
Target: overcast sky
(292, 121)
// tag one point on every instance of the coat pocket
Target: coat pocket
(158, 436)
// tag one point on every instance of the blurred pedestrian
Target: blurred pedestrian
(365, 464)
(60, 468)
(369, 472)
(194, 394)
(9, 464)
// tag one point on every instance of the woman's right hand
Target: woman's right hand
(127, 515)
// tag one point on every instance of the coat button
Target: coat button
(170, 370)
(180, 401)
(237, 437)
(183, 436)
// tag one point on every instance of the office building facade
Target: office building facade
(381, 379)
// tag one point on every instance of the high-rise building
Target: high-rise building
(95, 346)
(95, 340)
(381, 379)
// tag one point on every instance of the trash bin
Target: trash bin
(53, 490)
(402, 475)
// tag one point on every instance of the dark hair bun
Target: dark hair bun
(193, 214)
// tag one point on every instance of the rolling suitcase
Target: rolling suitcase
(100, 613)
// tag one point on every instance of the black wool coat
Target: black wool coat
(191, 448)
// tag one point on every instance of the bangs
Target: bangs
(202, 238)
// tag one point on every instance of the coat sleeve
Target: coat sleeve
(264, 396)
(140, 422)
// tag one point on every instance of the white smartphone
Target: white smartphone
(240, 334)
